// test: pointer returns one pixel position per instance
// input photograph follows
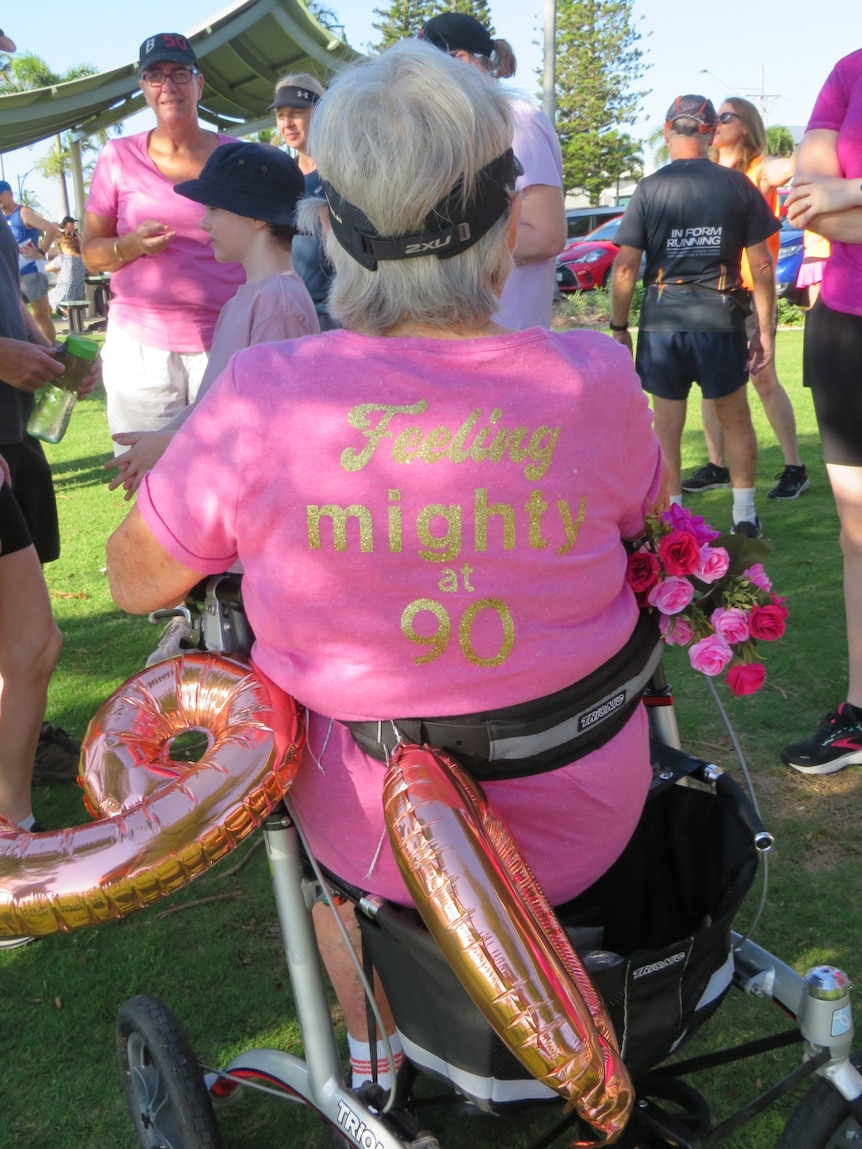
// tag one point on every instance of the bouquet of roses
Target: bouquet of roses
(710, 595)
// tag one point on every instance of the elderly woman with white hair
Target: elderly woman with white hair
(429, 509)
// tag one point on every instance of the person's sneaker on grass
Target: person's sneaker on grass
(792, 481)
(57, 755)
(173, 640)
(836, 743)
(751, 530)
(709, 477)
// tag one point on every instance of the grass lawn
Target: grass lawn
(219, 966)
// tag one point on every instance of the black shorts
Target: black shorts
(14, 535)
(34, 490)
(668, 362)
(832, 368)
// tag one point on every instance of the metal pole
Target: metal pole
(549, 77)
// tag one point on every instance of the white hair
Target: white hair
(393, 136)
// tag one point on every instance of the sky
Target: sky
(733, 47)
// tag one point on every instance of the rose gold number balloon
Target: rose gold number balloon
(162, 822)
(486, 911)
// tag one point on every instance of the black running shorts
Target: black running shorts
(34, 489)
(14, 535)
(668, 362)
(832, 368)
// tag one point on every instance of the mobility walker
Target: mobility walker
(654, 933)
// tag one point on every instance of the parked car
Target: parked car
(582, 220)
(587, 263)
(790, 256)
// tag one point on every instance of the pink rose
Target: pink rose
(681, 519)
(679, 552)
(710, 655)
(671, 595)
(767, 622)
(731, 624)
(642, 571)
(714, 563)
(758, 576)
(675, 630)
(745, 678)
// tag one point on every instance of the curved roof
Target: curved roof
(242, 52)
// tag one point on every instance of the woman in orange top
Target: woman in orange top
(740, 142)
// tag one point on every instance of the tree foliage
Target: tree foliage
(403, 18)
(779, 141)
(599, 63)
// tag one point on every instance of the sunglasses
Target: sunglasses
(726, 117)
(157, 79)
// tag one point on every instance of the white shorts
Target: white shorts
(146, 386)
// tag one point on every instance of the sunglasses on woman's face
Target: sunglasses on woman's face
(726, 117)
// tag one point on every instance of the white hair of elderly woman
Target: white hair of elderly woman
(393, 136)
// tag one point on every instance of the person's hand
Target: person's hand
(148, 238)
(29, 250)
(624, 338)
(812, 196)
(760, 352)
(91, 379)
(27, 366)
(145, 450)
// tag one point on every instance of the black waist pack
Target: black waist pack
(536, 736)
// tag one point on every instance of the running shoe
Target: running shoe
(173, 640)
(706, 478)
(57, 755)
(747, 528)
(792, 481)
(836, 743)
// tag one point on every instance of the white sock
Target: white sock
(28, 823)
(360, 1061)
(675, 500)
(743, 505)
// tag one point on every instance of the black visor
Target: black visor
(449, 228)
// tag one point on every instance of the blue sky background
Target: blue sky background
(741, 47)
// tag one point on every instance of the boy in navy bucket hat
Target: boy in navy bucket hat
(250, 192)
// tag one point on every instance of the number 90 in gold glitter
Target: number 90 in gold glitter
(439, 640)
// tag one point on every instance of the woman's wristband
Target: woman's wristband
(117, 251)
(618, 326)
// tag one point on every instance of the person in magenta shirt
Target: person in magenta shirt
(429, 508)
(826, 197)
(166, 285)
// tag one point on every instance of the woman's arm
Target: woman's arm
(102, 249)
(542, 226)
(141, 573)
(821, 200)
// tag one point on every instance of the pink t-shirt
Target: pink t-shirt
(839, 109)
(171, 300)
(528, 296)
(427, 527)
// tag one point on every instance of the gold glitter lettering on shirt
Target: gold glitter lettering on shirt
(339, 517)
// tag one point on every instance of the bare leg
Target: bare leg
(342, 972)
(847, 489)
(735, 417)
(713, 433)
(42, 314)
(779, 412)
(669, 421)
(30, 645)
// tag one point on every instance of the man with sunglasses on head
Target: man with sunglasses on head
(694, 219)
(167, 287)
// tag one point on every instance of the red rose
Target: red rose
(679, 552)
(778, 603)
(767, 622)
(745, 678)
(642, 571)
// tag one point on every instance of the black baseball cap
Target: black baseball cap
(166, 46)
(294, 96)
(457, 32)
(254, 180)
(697, 108)
(67, 219)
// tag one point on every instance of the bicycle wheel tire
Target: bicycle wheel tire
(822, 1120)
(162, 1080)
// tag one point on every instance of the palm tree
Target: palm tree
(27, 72)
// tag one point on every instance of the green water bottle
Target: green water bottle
(52, 413)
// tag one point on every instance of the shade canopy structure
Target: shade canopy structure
(242, 51)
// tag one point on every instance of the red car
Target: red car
(587, 263)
